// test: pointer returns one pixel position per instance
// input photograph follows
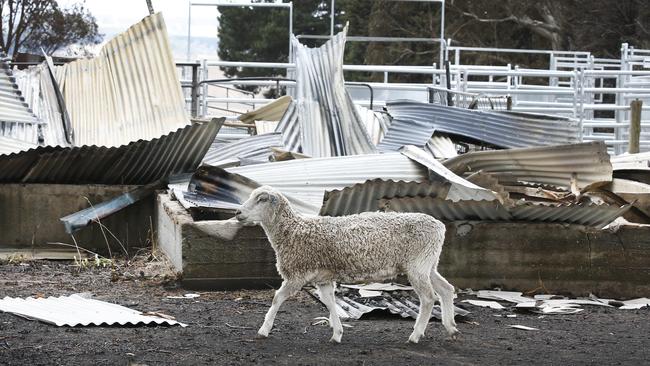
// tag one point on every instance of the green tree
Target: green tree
(29, 25)
(265, 38)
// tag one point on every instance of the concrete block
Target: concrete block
(29, 217)
(559, 258)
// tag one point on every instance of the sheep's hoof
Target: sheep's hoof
(263, 333)
(454, 335)
(414, 338)
(335, 339)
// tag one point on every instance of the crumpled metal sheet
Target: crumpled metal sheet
(304, 181)
(350, 305)
(447, 210)
(460, 189)
(329, 122)
(38, 87)
(364, 197)
(631, 161)
(269, 112)
(406, 132)
(75, 310)
(290, 129)
(17, 121)
(251, 148)
(503, 129)
(139, 162)
(555, 165)
(376, 122)
(11, 146)
(580, 214)
(129, 92)
(441, 147)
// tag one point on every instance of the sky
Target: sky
(115, 16)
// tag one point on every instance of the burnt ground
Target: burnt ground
(222, 329)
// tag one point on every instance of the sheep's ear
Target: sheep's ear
(263, 197)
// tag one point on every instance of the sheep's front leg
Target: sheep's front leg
(287, 289)
(327, 296)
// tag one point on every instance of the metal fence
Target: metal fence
(595, 91)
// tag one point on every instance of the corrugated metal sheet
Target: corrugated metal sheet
(504, 129)
(252, 148)
(38, 88)
(581, 214)
(376, 122)
(130, 91)
(631, 161)
(460, 189)
(76, 310)
(17, 121)
(350, 305)
(290, 128)
(549, 165)
(10, 146)
(441, 147)
(304, 181)
(269, 112)
(329, 122)
(139, 162)
(406, 132)
(364, 197)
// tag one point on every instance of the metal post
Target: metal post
(204, 91)
(332, 18)
(150, 7)
(290, 32)
(442, 31)
(450, 102)
(509, 103)
(195, 90)
(635, 126)
(189, 28)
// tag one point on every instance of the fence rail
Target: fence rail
(595, 91)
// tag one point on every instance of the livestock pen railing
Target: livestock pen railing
(595, 91)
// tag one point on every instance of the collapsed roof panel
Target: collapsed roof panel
(139, 162)
(252, 148)
(10, 146)
(129, 92)
(39, 88)
(17, 121)
(556, 165)
(329, 122)
(406, 132)
(503, 129)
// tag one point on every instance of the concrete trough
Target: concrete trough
(30, 213)
(562, 259)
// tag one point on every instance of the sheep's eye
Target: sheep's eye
(263, 198)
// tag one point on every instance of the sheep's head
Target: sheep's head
(260, 206)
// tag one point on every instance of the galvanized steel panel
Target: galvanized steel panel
(504, 129)
(448, 210)
(139, 162)
(441, 147)
(329, 122)
(76, 310)
(10, 146)
(555, 165)
(129, 92)
(364, 197)
(255, 148)
(406, 132)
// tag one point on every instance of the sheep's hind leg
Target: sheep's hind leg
(285, 291)
(327, 296)
(446, 292)
(422, 285)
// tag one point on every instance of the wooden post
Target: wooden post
(509, 103)
(150, 6)
(635, 126)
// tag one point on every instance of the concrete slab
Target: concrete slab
(562, 259)
(29, 217)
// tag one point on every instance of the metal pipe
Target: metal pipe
(189, 29)
(442, 31)
(332, 18)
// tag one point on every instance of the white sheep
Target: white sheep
(366, 247)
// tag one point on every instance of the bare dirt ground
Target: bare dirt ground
(222, 329)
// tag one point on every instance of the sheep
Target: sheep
(357, 248)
